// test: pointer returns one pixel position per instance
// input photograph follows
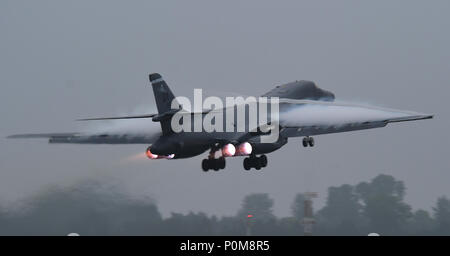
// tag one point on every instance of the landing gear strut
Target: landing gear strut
(308, 141)
(255, 162)
(212, 163)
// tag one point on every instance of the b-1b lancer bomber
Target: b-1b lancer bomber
(250, 127)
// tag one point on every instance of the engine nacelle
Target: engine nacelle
(150, 155)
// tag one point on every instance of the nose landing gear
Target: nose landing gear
(255, 162)
(308, 141)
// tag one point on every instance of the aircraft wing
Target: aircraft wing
(40, 135)
(85, 138)
(137, 129)
(117, 117)
(309, 120)
(410, 118)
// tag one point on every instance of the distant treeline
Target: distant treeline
(90, 209)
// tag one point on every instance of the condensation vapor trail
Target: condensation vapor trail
(335, 114)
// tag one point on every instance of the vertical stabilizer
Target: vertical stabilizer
(163, 97)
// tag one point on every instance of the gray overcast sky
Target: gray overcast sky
(62, 60)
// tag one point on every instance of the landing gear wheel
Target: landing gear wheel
(205, 165)
(311, 142)
(212, 163)
(247, 164)
(305, 142)
(308, 141)
(215, 164)
(263, 160)
(257, 164)
(221, 162)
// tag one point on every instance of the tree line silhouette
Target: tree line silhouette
(90, 209)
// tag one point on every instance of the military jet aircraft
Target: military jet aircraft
(303, 110)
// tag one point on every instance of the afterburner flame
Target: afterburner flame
(150, 154)
(244, 149)
(228, 150)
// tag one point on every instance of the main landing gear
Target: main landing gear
(255, 162)
(308, 141)
(212, 163)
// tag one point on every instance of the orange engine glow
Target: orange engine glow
(228, 150)
(150, 154)
(155, 156)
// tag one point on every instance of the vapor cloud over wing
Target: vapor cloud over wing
(335, 114)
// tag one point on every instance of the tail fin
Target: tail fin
(163, 97)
